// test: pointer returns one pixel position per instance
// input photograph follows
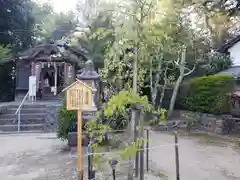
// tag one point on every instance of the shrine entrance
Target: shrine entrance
(52, 69)
(51, 78)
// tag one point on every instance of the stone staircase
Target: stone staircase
(32, 118)
(48, 95)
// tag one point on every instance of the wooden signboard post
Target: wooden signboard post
(79, 97)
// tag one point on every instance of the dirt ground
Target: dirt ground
(201, 158)
(36, 157)
(43, 157)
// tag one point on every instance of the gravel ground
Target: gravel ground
(36, 157)
(199, 159)
(43, 157)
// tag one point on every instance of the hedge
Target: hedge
(208, 94)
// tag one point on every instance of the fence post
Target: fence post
(176, 156)
(147, 150)
(141, 154)
(91, 174)
(136, 111)
(136, 136)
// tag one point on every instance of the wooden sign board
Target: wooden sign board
(79, 96)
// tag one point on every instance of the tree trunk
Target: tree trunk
(151, 79)
(174, 95)
(155, 86)
(181, 66)
(163, 88)
(135, 72)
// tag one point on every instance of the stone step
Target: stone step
(52, 99)
(22, 132)
(27, 105)
(27, 110)
(51, 96)
(37, 120)
(22, 116)
(235, 119)
(23, 127)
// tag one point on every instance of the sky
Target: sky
(61, 5)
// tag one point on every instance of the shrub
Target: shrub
(208, 94)
(117, 112)
(66, 121)
(118, 120)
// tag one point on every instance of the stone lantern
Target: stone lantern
(92, 78)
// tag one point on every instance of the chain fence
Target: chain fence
(170, 155)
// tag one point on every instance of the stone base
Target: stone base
(72, 139)
(3, 109)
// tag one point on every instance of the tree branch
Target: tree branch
(149, 7)
(151, 74)
(177, 62)
(190, 71)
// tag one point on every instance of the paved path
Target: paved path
(35, 157)
(198, 161)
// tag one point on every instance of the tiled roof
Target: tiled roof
(234, 71)
(48, 49)
(229, 44)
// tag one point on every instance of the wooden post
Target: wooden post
(147, 150)
(141, 154)
(136, 135)
(90, 162)
(79, 147)
(33, 68)
(55, 78)
(176, 156)
(77, 99)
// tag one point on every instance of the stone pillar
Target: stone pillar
(65, 71)
(91, 77)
